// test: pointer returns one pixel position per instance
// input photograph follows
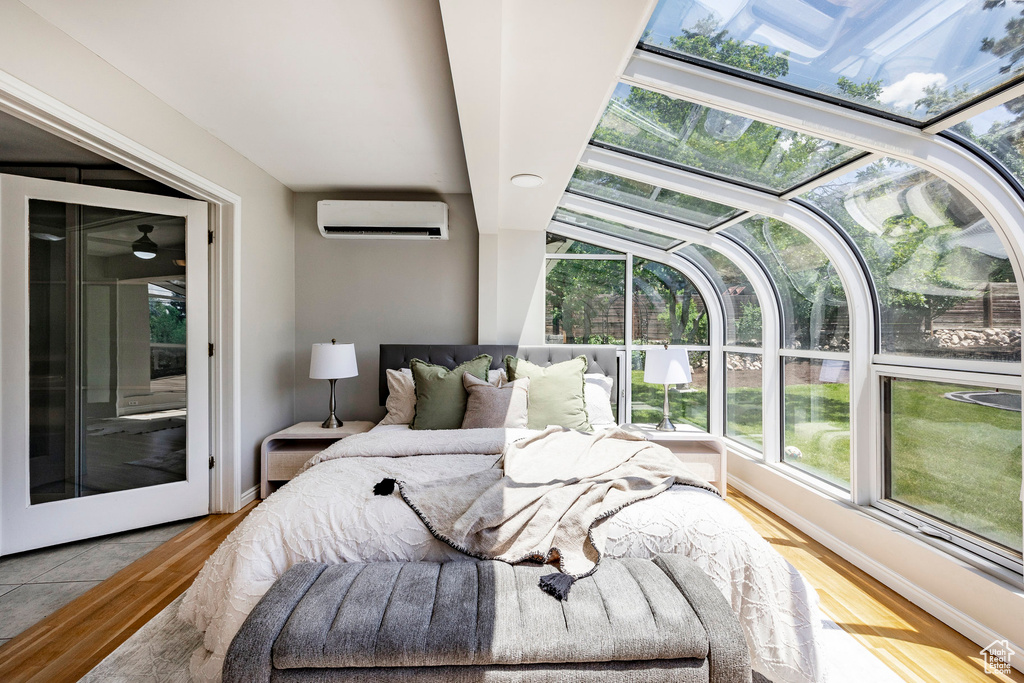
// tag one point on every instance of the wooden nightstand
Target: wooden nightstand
(706, 453)
(284, 452)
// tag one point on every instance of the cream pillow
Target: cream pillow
(401, 402)
(492, 406)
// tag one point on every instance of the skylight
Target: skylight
(632, 194)
(916, 59)
(614, 229)
(688, 135)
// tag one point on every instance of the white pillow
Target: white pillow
(597, 395)
(401, 401)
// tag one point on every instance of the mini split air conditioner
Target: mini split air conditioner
(382, 220)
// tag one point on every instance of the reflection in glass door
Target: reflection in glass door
(107, 352)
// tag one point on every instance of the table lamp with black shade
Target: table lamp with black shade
(332, 362)
(667, 366)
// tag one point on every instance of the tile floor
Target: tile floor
(36, 583)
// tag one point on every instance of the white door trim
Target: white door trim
(36, 107)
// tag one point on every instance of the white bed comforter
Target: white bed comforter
(329, 514)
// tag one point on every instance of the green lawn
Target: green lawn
(959, 462)
(684, 406)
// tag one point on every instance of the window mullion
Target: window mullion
(628, 336)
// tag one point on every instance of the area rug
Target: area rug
(159, 652)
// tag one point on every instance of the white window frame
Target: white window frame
(931, 528)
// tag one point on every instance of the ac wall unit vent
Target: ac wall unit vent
(382, 220)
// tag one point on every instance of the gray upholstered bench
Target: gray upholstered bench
(633, 620)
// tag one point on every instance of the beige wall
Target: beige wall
(511, 280)
(47, 59)
(369, 292)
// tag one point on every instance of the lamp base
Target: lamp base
(666, 425)
(332, 423)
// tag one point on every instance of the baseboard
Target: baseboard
(249, 496)
(934, 605)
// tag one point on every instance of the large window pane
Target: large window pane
(687, 403)
(817, 422)
(607, 227)
(914, 58)
(107, 399)
(815, 314)
(954, 452)
(743, 399)
(667, 309)
(945, 285)
(658, 201)
(690, 135)
(742, 309)
(585, 301)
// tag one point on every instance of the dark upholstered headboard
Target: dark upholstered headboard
(603, 359)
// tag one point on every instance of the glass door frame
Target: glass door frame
(24, 526)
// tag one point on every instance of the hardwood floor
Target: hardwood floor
(70, 642)
(911, 642)
(64, 646)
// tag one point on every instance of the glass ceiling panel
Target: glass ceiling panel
(945, 286)
(742, 309)
(606, 227)
(556, 244)
(912, 58)
(732, 147)
(815, 313)
(655, 200)
(999, 131)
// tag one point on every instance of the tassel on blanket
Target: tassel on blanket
(385, 487)
(557, 584)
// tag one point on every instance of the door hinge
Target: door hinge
(211, 462)
(211, 349)
(209, 236)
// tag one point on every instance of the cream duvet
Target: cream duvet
(329, 514)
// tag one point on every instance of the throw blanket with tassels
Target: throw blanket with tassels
(543, 496)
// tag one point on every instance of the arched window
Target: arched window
(944, 283)
(815, 347)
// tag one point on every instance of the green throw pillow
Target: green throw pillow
(440, 395)
(556, 392)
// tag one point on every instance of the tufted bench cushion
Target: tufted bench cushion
(633, 620)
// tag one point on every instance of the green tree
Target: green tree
(662, 292)
(868, 90)
(1011, 44)
(705, 41)
(166, 322)
(937, 99)
(585, 300)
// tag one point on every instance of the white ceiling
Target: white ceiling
(321, 94)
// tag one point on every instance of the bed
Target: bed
(329, 514)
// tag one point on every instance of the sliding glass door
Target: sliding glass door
(104, 362)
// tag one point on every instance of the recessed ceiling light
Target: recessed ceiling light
(527, 180)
